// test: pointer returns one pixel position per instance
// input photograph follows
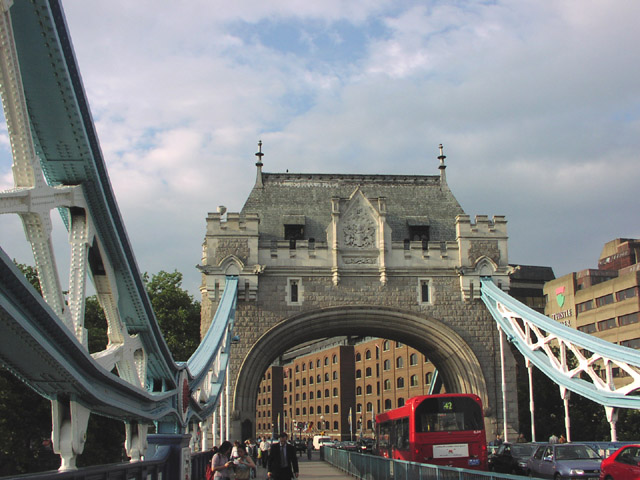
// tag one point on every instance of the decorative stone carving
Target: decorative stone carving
(488, 248)
(236, 246)
(360, 261)
(359, 230)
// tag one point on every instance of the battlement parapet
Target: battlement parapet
(483, 226)
(232, 224)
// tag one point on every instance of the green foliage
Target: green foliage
(178, 314)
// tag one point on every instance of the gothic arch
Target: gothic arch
(457, 363)
(231, 265)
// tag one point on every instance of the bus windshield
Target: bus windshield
(448, 414)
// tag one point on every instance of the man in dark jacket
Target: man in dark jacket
(282, 463)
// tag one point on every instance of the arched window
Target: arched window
(311, 380)
(335, 391)
(318, 363)
(385, 345)
(304, 382)
(310, 365)
(297, 397)
(326, 377)
(399, 362)
(387, 404)
(297, 368)
(367, 372)
(311, 395)
(369, 407)
(358, 390)
(326, 361)
(400, 402)
(369, 425)
(386, 365)
(414, 380)
(304, 395)
(358, 373)
(358, 357)
(359, 408)
(304, 367)
(269, 376)
(327, 409)
(319, 394)
(318, 378)
(335, 408)
(369, 389)
(304, 410)
(326, 393)
(427, 378)
(335, 375)
(400, 382)
(310, 410)
(413, 359)
(297, 382)
(387, 384)
(335, 425)
(334, 359)
(367, 355)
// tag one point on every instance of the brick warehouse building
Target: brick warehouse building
(389, 256)
(319, 389)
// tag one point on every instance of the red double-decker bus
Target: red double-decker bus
(445, 429)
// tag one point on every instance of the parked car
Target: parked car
(512, 458)
(623, 464)
(350, 446)
(565, 461)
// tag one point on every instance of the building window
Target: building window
(297, 382)
(400, 402)
(335, 425)
(297, 368)
(304, 410)
(369, 389)
(318, 363)
(400, 382)
(319, 395)
(387, 404)
(369, 425)
(326, 377)
(367, 355)
(326, 361)
(589, 328)
(387, 384)
(399, 362)
(413, 359)
(367, 372)
(359, 408)
(326, 409)
(626, 293)
(427, 378)
(414, 380)
(358, 357)
(584, 306)
(335, 375)
(311, 395)
(628, 319)
(297, 397)
(335, 408)
(326, 393)
(311, 380)
(424, 291)
(385, 345)
(294, 232)
(294, 291)
(304, 395)
(607, 324)
(334, 359)
(304, 381)
(298, 411)
(310, 365)
(318, 378)
(398, 344)
(604, 300)
(310, 410)
(386, 365)
(369, 407)
(358, 390)
(335, 391)
(633, 343)
(304, 367)
(358, 373)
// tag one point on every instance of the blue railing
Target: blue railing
(372, 467)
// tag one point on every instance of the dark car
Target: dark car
(366, 445)
(565, 461)
(623, 464)
(512, 458)
(301, 445)
(350, 446)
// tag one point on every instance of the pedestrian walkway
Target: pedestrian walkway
(314, 469)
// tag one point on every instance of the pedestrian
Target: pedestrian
(562, 439)
(309, 448)
(521, 438)
(282, 463)
(221, 465)
(553, 438)
(243, 464)
(264, 452)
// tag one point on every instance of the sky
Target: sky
(537, 104)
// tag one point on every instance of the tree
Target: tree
(178, 314)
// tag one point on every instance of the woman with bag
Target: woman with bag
(221, 466)
(243, 464)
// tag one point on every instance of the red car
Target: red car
(623, 464)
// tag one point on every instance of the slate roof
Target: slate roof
(409, 199)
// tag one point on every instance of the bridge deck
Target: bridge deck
(314, 469)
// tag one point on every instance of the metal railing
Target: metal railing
(372, 467)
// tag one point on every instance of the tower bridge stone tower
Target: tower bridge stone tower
(390, 256)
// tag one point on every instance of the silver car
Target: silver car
(565, 461)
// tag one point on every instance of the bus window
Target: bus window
(384, 437)
(402, 434)
(449, 414)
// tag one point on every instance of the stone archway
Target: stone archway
(457, 363)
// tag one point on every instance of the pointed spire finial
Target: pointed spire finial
(442, 157)
(259, 154)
